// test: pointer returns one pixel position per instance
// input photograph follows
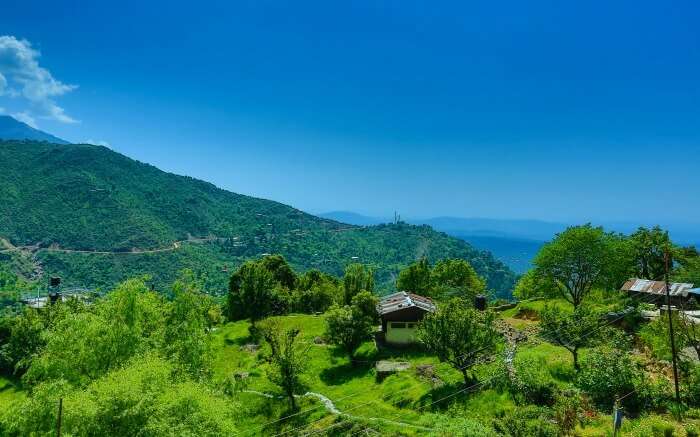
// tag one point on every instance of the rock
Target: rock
(426, 370)
(319, 340)
(386, 368)
(241, 375)
(250, 347)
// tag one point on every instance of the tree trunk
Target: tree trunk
(575, 354)
(292, 401)
(467, 379)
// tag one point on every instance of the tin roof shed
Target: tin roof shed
(657, 287)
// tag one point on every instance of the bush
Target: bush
(533, 381)
(692, 391)
(568, 411)
(527, 421)
(608, 373)
(448, 426)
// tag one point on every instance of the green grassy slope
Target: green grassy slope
(85, 197)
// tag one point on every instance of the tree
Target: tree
(456, 277)
(187, 340)
(459, 335)
(571, 331)
(281, 271)
(416, 278)
(287, 358)
(251, 292)
(649, 246)
(576, 261)
(530, 285)
(357, 278)
(350, 325)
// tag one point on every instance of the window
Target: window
(399, 325)
(411, 325)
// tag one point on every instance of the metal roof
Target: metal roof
(402, 300)
(657, 287)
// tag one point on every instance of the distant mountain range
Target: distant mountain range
(13, 129)
(515, 242)
(95, 217)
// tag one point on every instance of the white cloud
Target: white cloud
(97, 143)
(25, 117)
(21, 76)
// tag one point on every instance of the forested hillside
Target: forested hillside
(130, 218)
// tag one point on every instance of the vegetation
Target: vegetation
(90, 198)
(459, 335)
(351, 325)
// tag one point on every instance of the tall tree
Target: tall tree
(357, 278)
(187, 339)
(416, 278)
(251, 292)
(288, 358)
(572, 331)
(281, 270)
(576, 260)
(350, 325)
(456, 277)
(649, 246)
(459, 335)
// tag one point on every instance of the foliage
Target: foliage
(529, 421)
(85, 344)
(350, 325)
(448, 426)
(357, 278)
(571, 330)
(648, 247)
(532, 381)
(187, 340)
(251, 292)
(530, 285)
(456, 277)
(315, 292)
(287, 358)
(578, 259)
(139, 399)
(606, 374)
(91, 198)
(459, 335)
(416, 278)
(569, 411)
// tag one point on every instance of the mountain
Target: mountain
(12, 129)
(95, 217)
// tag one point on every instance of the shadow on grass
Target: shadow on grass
(439, 398)
(345, 372)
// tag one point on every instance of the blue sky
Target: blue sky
(540, 109)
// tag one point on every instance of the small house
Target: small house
(400, 313)
(655, 291)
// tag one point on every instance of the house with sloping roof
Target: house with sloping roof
(400, 314)
(655, 291)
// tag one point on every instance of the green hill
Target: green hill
(126, 216)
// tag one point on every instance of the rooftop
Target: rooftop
(403, 300)
(657, 287)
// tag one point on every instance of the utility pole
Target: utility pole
(58, 421)
(667, 257)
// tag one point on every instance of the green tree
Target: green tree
(456, 277)
(531, 285)
(251, 292)
(570, 330)
(459, 335)
(350, 325)
(416, 278)
(288, 358)
(576, 261)
(357, 278)
(281, 271)
(648, 247)
(187, 340)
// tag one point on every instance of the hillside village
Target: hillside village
(584, 339)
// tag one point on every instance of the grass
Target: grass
(10, 391)
(403, 397)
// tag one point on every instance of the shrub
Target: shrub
(448, 426)
(607, 373)
(533, 381)
(568, 411)
(527, 421)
